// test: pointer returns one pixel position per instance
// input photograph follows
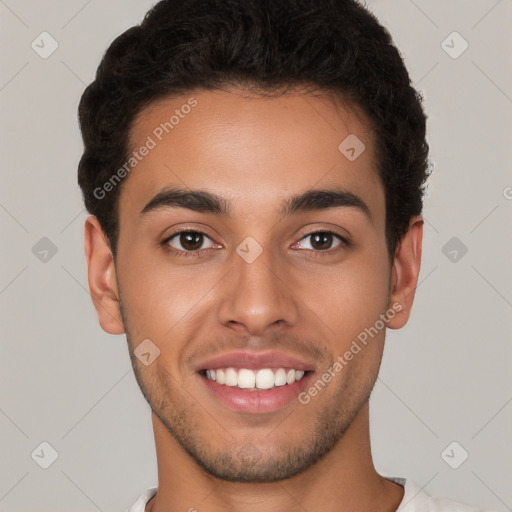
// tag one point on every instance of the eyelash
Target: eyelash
(198, 253)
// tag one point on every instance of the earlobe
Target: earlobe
(102, 277)
(405, 272)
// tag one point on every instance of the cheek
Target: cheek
(351, 297)
(160, 300)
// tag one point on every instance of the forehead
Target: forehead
(252, 150)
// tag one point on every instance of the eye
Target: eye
(188, 241)
(322, 241)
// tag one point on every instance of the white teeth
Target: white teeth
(265, 378)
(280, 377)
(231, 377)
(246, 379)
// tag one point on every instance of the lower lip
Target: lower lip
(259, 401)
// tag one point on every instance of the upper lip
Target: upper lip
(254, 360)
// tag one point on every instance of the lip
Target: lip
(256, 401)
(255, 360)
(261, 400)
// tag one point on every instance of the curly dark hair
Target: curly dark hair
(336, 46)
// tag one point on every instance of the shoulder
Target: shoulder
(142, 500)
(417, 500)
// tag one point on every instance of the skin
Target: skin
(256, 152)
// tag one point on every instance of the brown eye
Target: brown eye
(187, 241)
(322, 241)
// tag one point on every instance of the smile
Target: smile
(254, 379)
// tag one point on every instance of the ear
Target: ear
(404, 275)
(102, 277)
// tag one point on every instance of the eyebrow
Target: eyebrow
(207, 202)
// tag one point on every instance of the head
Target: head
(287, 139)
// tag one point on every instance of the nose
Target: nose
(258, 295)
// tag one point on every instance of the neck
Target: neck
(345, 479)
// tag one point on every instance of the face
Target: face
(251, 259)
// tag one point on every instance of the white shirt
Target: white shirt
(414, 500)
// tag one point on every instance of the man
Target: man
(254, 172)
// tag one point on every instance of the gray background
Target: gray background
(445, 377)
